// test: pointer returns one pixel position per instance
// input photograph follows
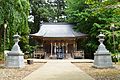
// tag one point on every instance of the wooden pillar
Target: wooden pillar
(66, 50)
(58, 48)
(74, 47)
(55, 50)
(63, 50)
(59, 45)
(51, 55)
(63, 47)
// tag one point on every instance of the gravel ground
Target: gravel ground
(18, 74)
(100, 74)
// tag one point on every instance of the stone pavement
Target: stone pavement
(58, 70)
(64, 60)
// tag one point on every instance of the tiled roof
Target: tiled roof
(56, 30)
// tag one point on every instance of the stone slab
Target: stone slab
(62, 60)
(14, 62)
(58, 70)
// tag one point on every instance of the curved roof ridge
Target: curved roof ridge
(57, 30)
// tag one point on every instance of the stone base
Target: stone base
(102, 67)
(14, 62)
(51, 56)
(102, 60)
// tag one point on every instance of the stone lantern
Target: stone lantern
(15, 58)
(102, 57)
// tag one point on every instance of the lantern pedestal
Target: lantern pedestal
(15, 58)
(102, 57)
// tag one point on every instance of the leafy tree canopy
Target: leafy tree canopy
(93, 17)
(15, 14)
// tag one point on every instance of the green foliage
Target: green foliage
(41, 12)
(1, 56)
(46, 12)
(15, 13)
(93, 17)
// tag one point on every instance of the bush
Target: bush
(1, 56)
(114, 58)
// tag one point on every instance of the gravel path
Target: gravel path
(100, 74)
(18, 74)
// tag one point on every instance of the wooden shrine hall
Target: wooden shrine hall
(59, 40)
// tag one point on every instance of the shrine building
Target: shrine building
(58, 40)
